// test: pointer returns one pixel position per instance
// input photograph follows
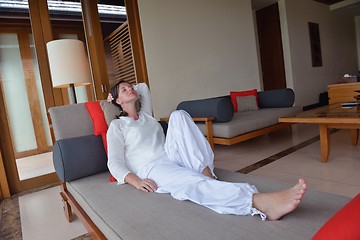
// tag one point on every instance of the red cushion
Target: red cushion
(97, 116)
(100, 126)
(344, 224)
(103, 136)
(112, 179)
(234, 94)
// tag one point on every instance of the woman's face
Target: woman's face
(126, 93)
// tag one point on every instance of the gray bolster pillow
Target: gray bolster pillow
(276, 98)
(79, 157)
(220, 108)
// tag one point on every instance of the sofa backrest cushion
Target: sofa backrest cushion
(79, 157)
(110, 111)
(220, 108)
(97, 116)
(276, 98)
(71, 121)
(246, 103)
(235, 94)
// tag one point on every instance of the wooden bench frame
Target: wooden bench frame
(70, 204)
(249, 135)
(237, 139)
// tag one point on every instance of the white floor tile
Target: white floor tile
(42, 217)
(339, 175)
(243, 154)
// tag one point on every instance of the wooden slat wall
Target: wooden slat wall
(122, 54)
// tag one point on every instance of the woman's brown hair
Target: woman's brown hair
(115, 94)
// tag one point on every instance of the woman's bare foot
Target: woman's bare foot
(277, 204)
(207, 172)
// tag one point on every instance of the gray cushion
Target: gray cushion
(71, 121)
(246, 103)
(79, 157)
(276, 98)
(220, 108)
(110, 111)
(123, 212)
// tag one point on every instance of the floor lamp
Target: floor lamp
(69, 65)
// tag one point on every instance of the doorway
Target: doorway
(23, 95)
(25, 108)
(271, 50)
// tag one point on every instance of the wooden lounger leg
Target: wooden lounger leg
(66, 207)
(290, 128)
(209, 133)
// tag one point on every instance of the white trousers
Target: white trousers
(179, 173)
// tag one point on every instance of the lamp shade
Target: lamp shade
(68, 63)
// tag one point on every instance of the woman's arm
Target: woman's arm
(117, 165)
(116, 153)
(146, 185)
(145, 97)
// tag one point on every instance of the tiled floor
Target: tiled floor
(42, 216)
(340, 175)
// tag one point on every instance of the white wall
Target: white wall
(338, 47)
(197, 49)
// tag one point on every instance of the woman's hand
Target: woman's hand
(109, 98)
(145, 185)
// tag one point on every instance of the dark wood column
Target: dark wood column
(133, 19)
(4, 186)
(42, 32)
(95, 46)
(6, 148)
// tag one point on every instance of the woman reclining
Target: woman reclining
(182, 163)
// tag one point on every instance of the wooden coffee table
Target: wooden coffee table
(330, 116)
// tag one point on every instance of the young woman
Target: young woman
(182, 163)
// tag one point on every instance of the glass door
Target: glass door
(24, 104)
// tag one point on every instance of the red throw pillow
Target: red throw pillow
(344, 224)
(100, 126)
(234, 94)
(97, 116)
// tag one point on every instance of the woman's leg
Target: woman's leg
(188, 184)
(277, 204)
(186, 145)
(223, 197)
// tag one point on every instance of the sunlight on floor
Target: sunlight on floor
(36, 165)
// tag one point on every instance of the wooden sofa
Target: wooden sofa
(111, 211)
(217, 120)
